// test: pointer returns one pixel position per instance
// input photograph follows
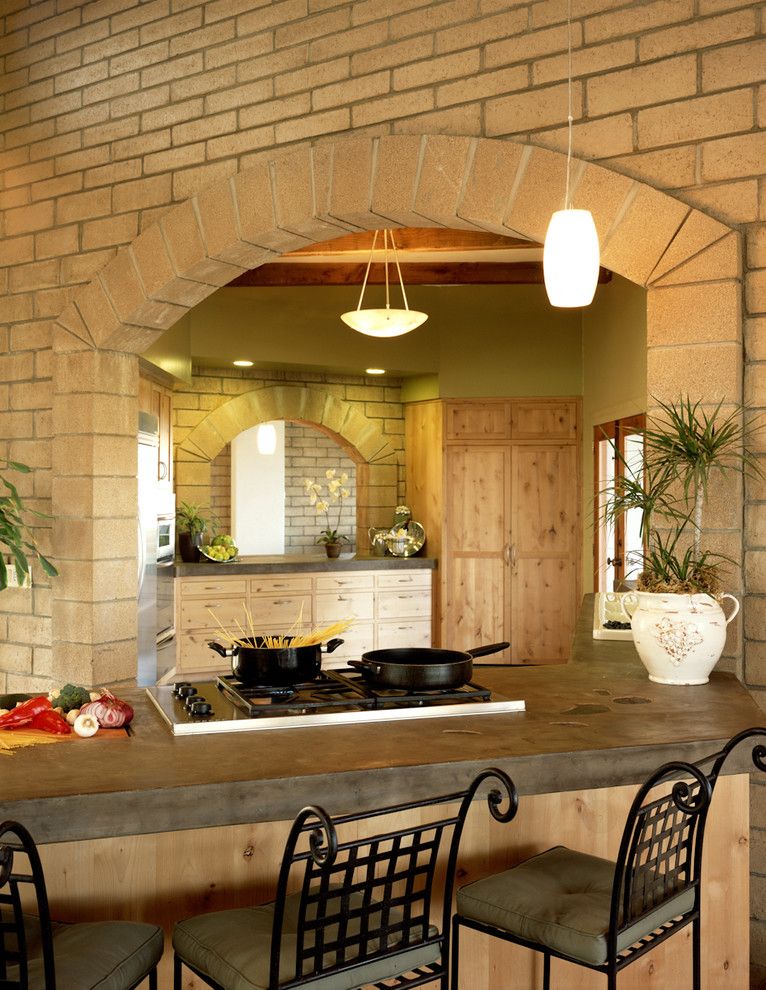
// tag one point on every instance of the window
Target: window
(617, 545)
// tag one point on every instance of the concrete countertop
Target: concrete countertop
(289, 563)
(594, 722)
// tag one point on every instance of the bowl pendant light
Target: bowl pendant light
(571, 255)
(266, 439)
(384, 322)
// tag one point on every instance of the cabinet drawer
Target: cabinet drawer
(344, 605)
(478, 421)
(204, 614)
(193, 653)
(279, 585)
(357, 640)
(399, 635)
(544, 420)
(351, 580)
(213, 587)
(282, 611)
(404, 579)
(396, 605)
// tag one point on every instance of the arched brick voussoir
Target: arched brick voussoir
(186, 248)
(296, 179)
(540, 189)
(696, 233)
(490, 183)
(397, 164)
(218, 219)
(343, 176)
(444, 169)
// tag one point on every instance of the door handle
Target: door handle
(513, 556)
(507, 554)
(163, 472)
(617, 561)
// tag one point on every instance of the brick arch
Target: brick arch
(689, 262)
(359, 436)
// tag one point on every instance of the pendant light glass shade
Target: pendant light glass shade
(266, 438)
(571, 259)
(384, 322)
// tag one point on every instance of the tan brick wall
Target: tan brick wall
(378, 403)
(114, 110)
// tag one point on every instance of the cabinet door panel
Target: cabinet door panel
(544, 604)
(477, 495)
(476, 606)
(345, 605)
(545, 500)
(544, 420)
(478, 421)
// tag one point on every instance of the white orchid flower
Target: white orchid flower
(322, 506)
(344, 493)
(308, 484)
(344, 478)
(333, 486)
(313, 498)
(329, 473)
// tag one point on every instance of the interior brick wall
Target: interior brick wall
(314, 451)
(114, 110)
(309, 454)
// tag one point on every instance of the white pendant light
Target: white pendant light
(266, 439)
(384, 322)
(571, 255)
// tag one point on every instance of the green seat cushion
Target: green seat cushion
(99, 955)
(233, 948)
(561, 899)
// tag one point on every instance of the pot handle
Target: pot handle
(630, 600)
(736, 606)
(221, 650)
(332, 644)
(485, 651)
(365, 666)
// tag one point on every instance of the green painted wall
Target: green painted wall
(614, 378)
(478, 340)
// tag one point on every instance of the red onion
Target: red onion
(110, 712)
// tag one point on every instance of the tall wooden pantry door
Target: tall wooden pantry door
(544, 534)
(476, 604)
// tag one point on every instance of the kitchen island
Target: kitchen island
(161, 827)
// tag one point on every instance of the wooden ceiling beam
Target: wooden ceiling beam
(420, 273)
(417, 239)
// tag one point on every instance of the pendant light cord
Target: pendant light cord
(567, 202)
(367, 273)
(399, 271)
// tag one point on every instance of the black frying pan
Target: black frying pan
(421, 668)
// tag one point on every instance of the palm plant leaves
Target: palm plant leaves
(682, 447)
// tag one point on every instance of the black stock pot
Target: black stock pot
(261, 665)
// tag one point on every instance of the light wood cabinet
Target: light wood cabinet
(158, 400)
(500, 478)
(390, 609)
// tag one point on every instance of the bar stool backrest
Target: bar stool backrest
(368, 882)
(660, 852)
(20, 867)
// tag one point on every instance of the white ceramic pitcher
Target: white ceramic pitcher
(679, 638)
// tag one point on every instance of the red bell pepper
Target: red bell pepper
(24, 713)
(50, 721)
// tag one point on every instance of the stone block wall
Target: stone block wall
(379, 402)
(309, 454)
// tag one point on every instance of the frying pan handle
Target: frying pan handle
(366, 666)
(221, 650)
(485, 651)
(332, 644)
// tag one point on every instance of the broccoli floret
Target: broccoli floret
(71, 696)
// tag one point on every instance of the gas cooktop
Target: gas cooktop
(336, 697)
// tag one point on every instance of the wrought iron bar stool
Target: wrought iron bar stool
(364, 910)
(38, 954)
(602, 914)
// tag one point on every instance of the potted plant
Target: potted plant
(15, 537)
(679, 627)
(191, 526)
(336, 492)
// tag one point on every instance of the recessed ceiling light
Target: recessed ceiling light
(243, 364)
(374, 371)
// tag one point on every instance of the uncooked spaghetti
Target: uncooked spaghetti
(245, 636)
